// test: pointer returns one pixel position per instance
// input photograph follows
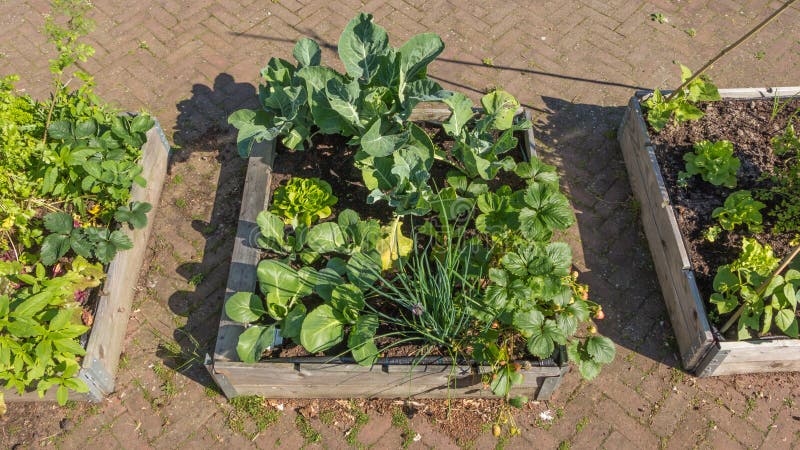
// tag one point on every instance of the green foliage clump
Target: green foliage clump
(714, 162)
(303, 201)
(681, 107)
(740, 209)
(477, 275)
(784, 193)
(787, 142)
(371, 104)
(40, 322)
(741, 283)
(68, 166)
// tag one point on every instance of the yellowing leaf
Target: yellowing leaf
(393, 245)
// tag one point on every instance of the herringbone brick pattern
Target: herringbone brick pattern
(573, 62)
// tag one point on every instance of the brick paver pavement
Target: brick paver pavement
(573, 62)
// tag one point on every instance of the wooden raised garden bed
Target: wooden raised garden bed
(702, 349)
(317, 377)
(104, 346)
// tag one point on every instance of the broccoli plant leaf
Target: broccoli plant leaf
(307, 53)
(378, 141)
(501, 107)
(461, 112)
(253, 126)
(361, 46)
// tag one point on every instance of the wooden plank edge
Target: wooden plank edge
(100, 364)
(245, 255)
(633, 133)
(739, 93)
(530, 142)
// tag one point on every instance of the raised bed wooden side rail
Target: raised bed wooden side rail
(99, 365)
(702, 350)
(318, 377)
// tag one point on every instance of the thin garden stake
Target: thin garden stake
(731, 47)
(761, 288)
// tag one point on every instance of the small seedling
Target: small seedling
(488, 62)
(581, 424)
(326, 417)
(659, 17)
(310, 435)
(180, 203)
(691, 32)
(400, 420)
(197, 279)
(361, 419)
(760, 55)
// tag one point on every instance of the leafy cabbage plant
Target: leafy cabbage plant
(303, 201)
(714, 162)
(370, 103)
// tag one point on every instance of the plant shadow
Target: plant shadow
(582, 140)
(207, 156)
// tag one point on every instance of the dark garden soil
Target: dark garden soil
(749, 126)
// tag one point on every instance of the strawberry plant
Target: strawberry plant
(69, 164)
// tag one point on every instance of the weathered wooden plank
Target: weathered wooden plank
(664, 239)
(751, 356)
(99, 365)
(529, 140)
(756, 93)
(113, 311)
(290, 380)
(405, 390)
(242, 273)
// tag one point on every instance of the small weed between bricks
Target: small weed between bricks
(250, 415)
(309, 433)
(400, 420)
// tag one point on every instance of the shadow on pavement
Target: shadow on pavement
(581, 139)
(202, 127)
